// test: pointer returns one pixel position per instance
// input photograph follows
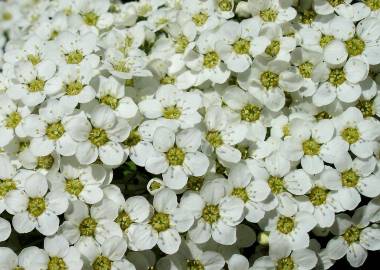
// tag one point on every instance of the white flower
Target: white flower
(53, 136)
(12, 116)
(303, 259)
(354, 238)
(173, 108)
(272, 10)
(176, 156)
(288, 232)
(325, 7)
(222, 135)
(36, 207)
(32, 83)
(61, 254)
(112, 93)
(100, 138)
(206, 61)
(350, 179)
(79, 182)
(240, 41)
(251, 192)
(283, 182)
(216, 215)
(109, 255)
(199, 15)
(164, 225)
(83, 226)
(29, 258)
(267, 81)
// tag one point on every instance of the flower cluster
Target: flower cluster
(189, 134)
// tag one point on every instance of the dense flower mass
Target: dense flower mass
(189, 134)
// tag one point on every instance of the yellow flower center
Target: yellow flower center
(276, 184)
(318, 195)
(160, 222)
(350, 135)
(121, 66)
(211, 59)
(285, 224)
(366, 107)
(355, 46)
(322, 115)
(285, 263)
(74, 186)
(349, 178)
(102, 263)
(7, 16)
(335, 3)
(308, 16)
(181, 43)
(74, 57)
(268, 15)
(250, 113)
(200, 18)
(45, 162)
(98, 137)
(36, 85)
(34, 59)
(214, 138)
(325, 40)
(373, 4)
(211, 213)
(88, 226)
(124, 220)
(242, 46)
(57, 263)
(194, 265)
(55, 131)
(337, 77)
(172, 112)
(12, 120)
(133, 139)
(74, 88)
(306, 69)
(175, 156)
(36, 206)
(269, 79)
(225, 5)
(240, 193)
(352, 235)
(90, 18)
(311, 147)
(109, 101)
(195, 183)
(273, 48)
(167, 79)
(6, 185)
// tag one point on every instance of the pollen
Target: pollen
(318, 195)
(12, 120)
(200, 18)
(172, 112)
(366, 107)
(124, 220)
(34, 59)
(276, 184)
(74, 186)
(54, 131)
(214, 138)
(6, 185)
(36, 85)
(109, 101)
(211, 213)
(98, 137)
(242, 46)
(57, 263)
(311, 147)
(268, 15)
(285, 263)
(74, 88)
(350, 135)
(133, 139)
(337, 77)
(285, 225)
(352, 235)
(225, 5)
(88, 226)
(90, 18)
(36, 206)
(45, 162)
(102, 263)
(250, 113)
(306, 69)
(355, 46)
(325, 40)
(211, 59)
(349, 178)
(74, 57)
(240, 193)
(373, 4)
(181, 43)
(269, 79)
(194, 265)
(175, 156)
(160, 222)
(273, 48)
